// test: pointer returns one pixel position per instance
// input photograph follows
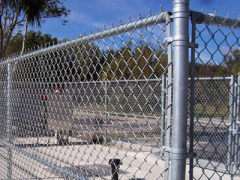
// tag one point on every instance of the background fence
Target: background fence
(103, 106)
(213, 120)
(214, 140)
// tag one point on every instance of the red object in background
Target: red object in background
(57, 89)
(44, 97)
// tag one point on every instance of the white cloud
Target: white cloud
(84, 19)
(225, 50)
(114, 5)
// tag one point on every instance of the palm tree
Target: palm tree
(35, 10)
(31, 11)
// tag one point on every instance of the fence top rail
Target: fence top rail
(162, 17)
(87, 82)
(213, 19)
(116, 81)
(211, 78)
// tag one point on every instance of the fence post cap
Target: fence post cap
(115, 162)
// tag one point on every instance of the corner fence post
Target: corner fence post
(9, 121)
(180, 88)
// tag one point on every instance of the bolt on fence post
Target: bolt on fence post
(9, 120)
(180, 88)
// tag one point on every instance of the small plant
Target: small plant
(97, 138)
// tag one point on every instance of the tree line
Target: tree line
(227, 66)
(88, 62)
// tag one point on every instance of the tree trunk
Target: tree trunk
(24, 36)
(1, 44)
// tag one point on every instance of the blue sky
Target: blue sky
(86, 15)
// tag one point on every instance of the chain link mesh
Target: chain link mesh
(100, 106)
(216, 98)
(211, 119)
(74, 109)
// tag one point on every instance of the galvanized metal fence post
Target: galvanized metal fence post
(9, 120)
(237, 150)
(106, 108)
(180, 88)
(230, 128)
(163, 109)
(235, 125)
(169, 100)
(192, 97)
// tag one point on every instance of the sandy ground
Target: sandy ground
(90, 160)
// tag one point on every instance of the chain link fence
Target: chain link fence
(114, 100)
(211, 119)
(113, 104)
(214, 98)
(89, 108)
